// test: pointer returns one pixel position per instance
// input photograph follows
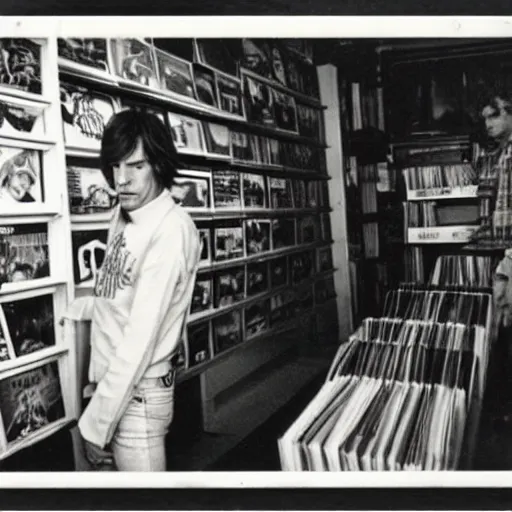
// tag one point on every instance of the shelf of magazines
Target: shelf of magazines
(198, 358)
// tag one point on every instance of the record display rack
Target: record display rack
(254, 177)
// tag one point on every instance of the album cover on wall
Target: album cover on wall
(274, 149)
(229, 240)
(285, 111)
(21, 65)
(230, 94)
(89, 190)
(324, 259)
(30, 401)
(300, 156)
(6, 349)
(258, 101)
(254, 192)
(85, 113)
(221, 54)
(281, 307)
(187, 133)
(255, 143)
(283, 233)
(30, 323)
(277, 65)
(23, 253)
(175, 74)
(226, 189)
(206, 246)
(299, 193)
(21, 120)
(257, 235)
(198, 343)
(292, 71)
(90, 52)
(88, 253)
(301, 265)
(309, 121)
(309, 229)
(256, 317)
(227, 331)
(241, 147)
(278, 272)
(134, 60)
(21, 177)
(202, 296)
(229, 286)
(311, 194)
(206, 85)
(191, 189)
(281, 195)
(256, 57)
(324, 289)
(257, 278)
(218, 140)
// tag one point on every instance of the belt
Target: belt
(165, 382)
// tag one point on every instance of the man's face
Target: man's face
(135, 180)
(498, 122)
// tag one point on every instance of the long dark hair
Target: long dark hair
(120, 140)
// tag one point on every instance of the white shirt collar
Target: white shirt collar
(150, 211)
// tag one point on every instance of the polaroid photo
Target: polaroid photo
(21, 63)
(257, 278)
(283, 232)
(257, 236)
(21, 177)
(229, 241)
(227, 331)
(229, 286)
(24, 254)
(187, 134)
(175, 74)
(254, 191)
(202, 295)
(206, 85)
(198, 344)
(135, 62)
(256, 318)
(226, 189)
(192, 189)
(281, 195)
(88, 248)
(88, 52)
(218, 140)
(278, 272)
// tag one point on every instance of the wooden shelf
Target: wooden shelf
(466, 192)
(440, 235)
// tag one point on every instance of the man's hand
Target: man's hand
(97, 457)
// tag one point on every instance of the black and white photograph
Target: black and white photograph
(31, 400)
(206, 85)
(90, 52)
(135, 61)
(301, 266)
(175, 74)
(229, 286)
(257, 236)
(21, 120)
(89, 190)
(258, 101)
(256, 318)
(218, 140)
(229, 240)
(192, 189)
(202, 296)
(198, 344)
(227, 331)
(227, 189)
(205, 241)
(21, 65)
(187, 134)
(89, 248)
(254, 190)
(85, 113)
(283, 232)
(285, 111)
(257, 278)
(230, 95)
(278, 272)
(281, 195)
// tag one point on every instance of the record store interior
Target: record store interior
(351, 309)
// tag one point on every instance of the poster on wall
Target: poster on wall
(229, 240)
(217, 140)
(229, 286)
(202, 296)
(30, 323)
(206, 85)
(88, 253)
(191, 189)
(23, 253)
(257, 278)
(175, 74)
(230, 94)
(226, 189)
(21, 120)
(187, 134)
(256, 318)
(21, 65)
(21, 177)
(90, 52)
(134, 60)
(198, 343)
(254, 191)
(281, 195)
(89, 191)
(285, 111)
(227, 331)
(257, 235)
(30, 401)
(85, 114)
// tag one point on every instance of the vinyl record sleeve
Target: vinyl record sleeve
(226, 189)
(21, 65)
(89, 248)
(229, 241)
(256, 57)
(175, 74)
(21, 120)
(187, 134)
(229, 286)
(230, 95)
(31, 400)
(218, 139)
(227, 330)
(257, 236)
(281, 195)
(221, 54)
(256, 317)
(301, 266)
(202, 295)
(285, 111)
(258, 101)
(90, 52)
(206, 245)
(198, 344)
(254, 190)
(283, 233)
(206, 85)
(192, 189)
(278, 272)
(257, 278)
